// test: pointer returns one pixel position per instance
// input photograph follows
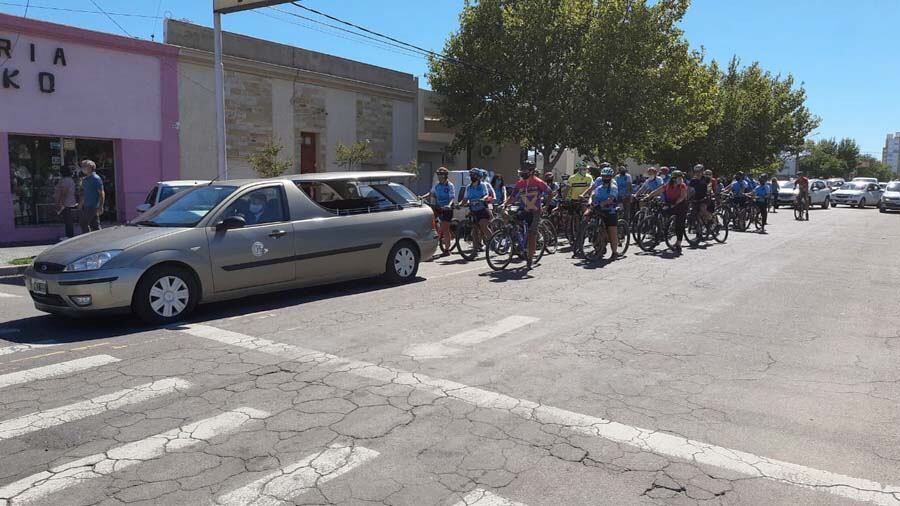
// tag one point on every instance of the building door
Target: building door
(308, 162)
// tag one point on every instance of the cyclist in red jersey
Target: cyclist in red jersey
(530, 192)
(802, 185)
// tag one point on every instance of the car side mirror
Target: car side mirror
(143, 208)
(230, 223)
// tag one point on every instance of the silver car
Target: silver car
(232, 239)
(857, 193)
(890, 199)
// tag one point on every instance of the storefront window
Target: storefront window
(34, 164)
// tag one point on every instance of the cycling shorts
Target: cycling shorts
(445, 215)
(482, 214)
(609, 219)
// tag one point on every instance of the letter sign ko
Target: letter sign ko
(47, 82)
(8, 79)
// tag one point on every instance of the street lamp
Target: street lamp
(226, 7)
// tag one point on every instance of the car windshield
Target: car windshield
(893, 187)
(785, 185)
(857, 186)
(186, 209)
(167, 191)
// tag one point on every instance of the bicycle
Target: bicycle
(594, 238)
(512, 239)
(801, 208)
(452, 243)
(655, 228)
(468, 237)
(698, 230)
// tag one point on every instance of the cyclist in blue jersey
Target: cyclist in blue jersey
(653, 182)
(604, 200)
(761, 194)
(477, 196)
(443, 194)
(626, 189)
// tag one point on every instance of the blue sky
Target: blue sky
(845, 52)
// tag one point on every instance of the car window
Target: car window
(259, 206)
(151, 197)
(186, 209)
(352, 197)
(167, 191)
(893, 187)
(873, 187)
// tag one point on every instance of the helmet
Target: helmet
(606, 171)
(605, 165)
(479, 173)
(707, 173)
(698, 167)
(548, 175)
(664, 169)
(740, 174)
(443, 171)
(677, 174)
(652, 169)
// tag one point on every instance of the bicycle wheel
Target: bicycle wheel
(450, 244)
(741, 217)
(551, 242)
(756, 219)
(468, 239)
(718, 228)
(634, 226)
(499, 250)
(806, 212)
(645, 234)
(671, 233)
(624, 233)
(594, 244)
(694, 230)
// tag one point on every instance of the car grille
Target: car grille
(51, 299)
(48, 267)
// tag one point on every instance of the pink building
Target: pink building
(67, 95)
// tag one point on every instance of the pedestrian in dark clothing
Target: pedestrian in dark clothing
(64, 196)
(92, 197)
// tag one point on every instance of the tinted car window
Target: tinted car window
(263, 205)
(186, 209)
(151, 197)
(167, 191)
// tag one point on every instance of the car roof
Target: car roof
(184, 182)
(352, 176)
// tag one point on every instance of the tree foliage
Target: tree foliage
(351, 155)
(831, 158)
(265, 161)
(758, 117)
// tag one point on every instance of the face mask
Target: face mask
(256, 208)
(473, 179)
(524, 175)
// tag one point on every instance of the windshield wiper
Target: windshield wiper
(147, 223)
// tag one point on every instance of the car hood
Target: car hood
(892, 195)
(787, 190)
(121, 237)
(848, 192)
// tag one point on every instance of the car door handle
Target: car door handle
(277, 233)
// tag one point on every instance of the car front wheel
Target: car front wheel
(826, 203)
(402, 263)
(166, 294)
(862, 203)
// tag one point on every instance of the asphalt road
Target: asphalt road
(761, 371)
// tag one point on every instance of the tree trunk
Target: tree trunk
(548, 163)
(468, 155)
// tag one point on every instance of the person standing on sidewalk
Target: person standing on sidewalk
(64, 196)
(92, 197)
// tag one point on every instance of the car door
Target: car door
(817, 192)
(259, 253)
(873, 194)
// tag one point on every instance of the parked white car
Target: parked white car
(857, 193)
(164, 190)
(890, 200)
(819, 193)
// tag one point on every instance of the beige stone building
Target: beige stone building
(305, 101)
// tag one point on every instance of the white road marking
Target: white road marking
(289, 482)
(9, 295)
(24, 347)
(481, 497)
(661, 443)
(53, 370)
(454, 344)
(42, 484)
(57, 416)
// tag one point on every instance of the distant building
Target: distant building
(890, 155)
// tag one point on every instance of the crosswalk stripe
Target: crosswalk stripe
(660, 443)
(57, 416)
(42, 484)
(454, 344)
(16, 348)
(481, 497)
(289, 482)
(53, 370)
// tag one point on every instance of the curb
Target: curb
(12, 270)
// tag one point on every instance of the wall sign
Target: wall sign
(44, 81)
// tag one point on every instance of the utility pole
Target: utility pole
(225, 7)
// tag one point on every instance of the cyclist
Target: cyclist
(444, 195)
(761, 194)
(773, 198)
(664, 174)
(802, 185)
(578, 183)
(604, 199)
(713, 182)
(499, 187)
(699, 185)
(553, 201)
(477, 196)
(530, 192)
(626, 189)
(653, 182)
(676, 194)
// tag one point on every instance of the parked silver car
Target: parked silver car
(857, 193)
(890, 200)
(165, 189)
(232, 239)
(819, 193)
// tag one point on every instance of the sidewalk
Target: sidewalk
(14, 252)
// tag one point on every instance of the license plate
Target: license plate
(39, 286)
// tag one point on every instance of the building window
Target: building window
(34, 165)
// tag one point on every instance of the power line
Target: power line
(82, 11)
(111, 18)
(18, 34)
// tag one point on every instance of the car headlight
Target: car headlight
(92, 262)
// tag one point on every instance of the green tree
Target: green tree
(758, 118)
(848, 152)
(350, 155)
(822, 164)
(869, 166)
(265, 161)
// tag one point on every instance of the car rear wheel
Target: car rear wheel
(826, 203)
(166, 294)
(402, 263)
(862, 203)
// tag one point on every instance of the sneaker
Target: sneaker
(528, 265)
